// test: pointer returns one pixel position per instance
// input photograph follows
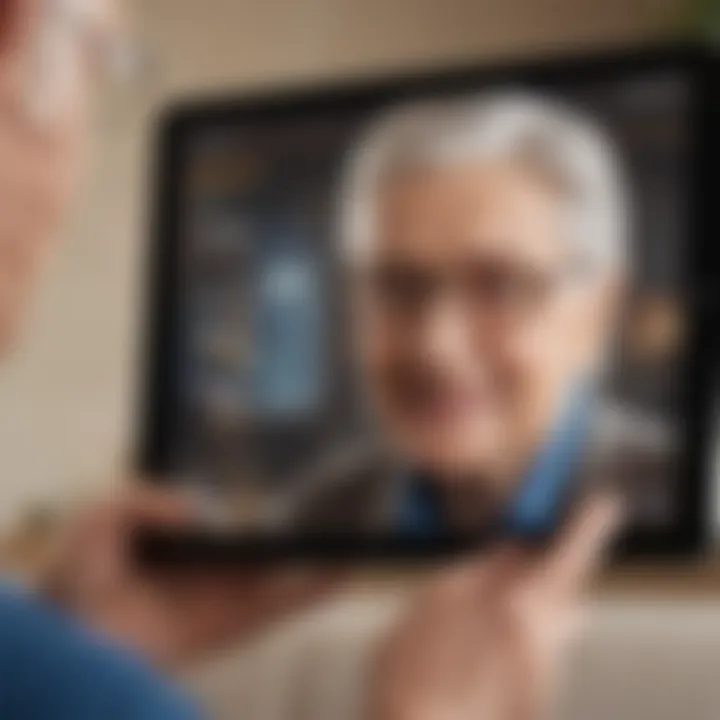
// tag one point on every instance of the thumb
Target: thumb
(581, 546)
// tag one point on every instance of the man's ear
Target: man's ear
(602, 320)
(615, 297)
(609, 312)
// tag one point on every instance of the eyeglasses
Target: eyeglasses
(497, 295)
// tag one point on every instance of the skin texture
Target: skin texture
(468, 381)
(480, 641)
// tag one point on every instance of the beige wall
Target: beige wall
(67, 396)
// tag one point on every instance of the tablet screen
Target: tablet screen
(421, 311)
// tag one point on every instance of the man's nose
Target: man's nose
(445, 332)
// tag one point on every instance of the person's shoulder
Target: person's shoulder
(631, 442)
(619, 427)
(51, 666)
(635, 454)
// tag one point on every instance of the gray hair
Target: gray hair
(566, 148)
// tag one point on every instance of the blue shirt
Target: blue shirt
(535, 507)
(53, 669)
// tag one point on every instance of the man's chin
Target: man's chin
(452, 457)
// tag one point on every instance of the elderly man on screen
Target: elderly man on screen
(486, 243)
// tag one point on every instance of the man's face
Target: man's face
(472, 320)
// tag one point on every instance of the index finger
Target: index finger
(127, 508)
(142, 503)
(581, 545)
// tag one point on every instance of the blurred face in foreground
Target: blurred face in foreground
(49, 57)
(474, 316)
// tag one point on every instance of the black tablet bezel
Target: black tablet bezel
(181, 120)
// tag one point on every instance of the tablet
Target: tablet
(403, 316)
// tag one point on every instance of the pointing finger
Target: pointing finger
(578, 551)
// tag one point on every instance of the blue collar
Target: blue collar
(538, 502)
